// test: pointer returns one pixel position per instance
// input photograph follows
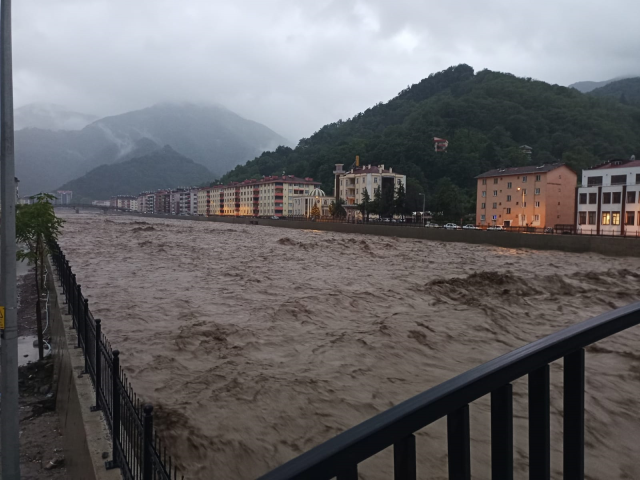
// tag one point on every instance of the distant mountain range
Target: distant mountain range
(48, 116)
(627, 91)
(588, 86)
(160, 168)
(209, 135)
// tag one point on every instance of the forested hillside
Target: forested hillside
(485, 116)
(627, 91)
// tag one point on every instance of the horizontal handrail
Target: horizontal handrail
(392, 426)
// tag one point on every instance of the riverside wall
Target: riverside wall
(612, 246)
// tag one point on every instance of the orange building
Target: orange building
(541, 196)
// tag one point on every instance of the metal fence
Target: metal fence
(340, 456)
(137, 450)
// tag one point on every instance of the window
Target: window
(537, 204)
(631, 197)
(583, 218)
(536, 218)
(631, 218)
(524, 204)
(375, 179)
(536, 191)
(606, 197)
(482, 218)
(593, 198)
(484, 181)
(495, 181)
(594, 181)
(495, 193)
(508, 184)
(592, 218)
(508, 198)
(508, 211)
(637, 178)
(617, 197)
(606, 218)
(484, 193)
(357, 180)
(524, 179)
(495, 205)
(615, 218)
(484, 205)
(524, 191)
(583, 199)
(618, 179)
(538, 178)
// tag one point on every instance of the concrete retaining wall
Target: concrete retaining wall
(613, 246)
(86, 436)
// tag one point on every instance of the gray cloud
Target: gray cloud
(296, 65)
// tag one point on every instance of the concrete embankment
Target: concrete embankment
(612, 246)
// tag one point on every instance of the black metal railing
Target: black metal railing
(136, 448)
(340, 456)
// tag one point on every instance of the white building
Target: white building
(303, 205)
(184, 201)
(608, 202)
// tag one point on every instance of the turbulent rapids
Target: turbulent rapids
(258, 343)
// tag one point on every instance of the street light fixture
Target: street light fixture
(424, 199)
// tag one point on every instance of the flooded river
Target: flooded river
(257, 343)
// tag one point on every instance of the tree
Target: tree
(336, 209)
(387, 205)
(37, 227)
(315, 211)
(376, 203)
(449, 201)
(365, 206)
(399, 202)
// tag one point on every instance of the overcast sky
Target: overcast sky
(296, 65)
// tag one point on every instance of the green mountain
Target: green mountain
(627, 91)
(162, 168)
(485, 116)
(588, 86)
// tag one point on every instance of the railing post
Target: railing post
(115, 410)
(459, 444)
(539, 425)
(574, 416)
(404, 459)
(85, 333)
(502, 433)
(76, 315)
(147, 443)
(71, 294)
(98, 364)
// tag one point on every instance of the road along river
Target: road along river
(257, 343)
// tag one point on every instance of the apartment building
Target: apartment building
(124, 202)
(608, 202)
(350, 184)
(162, 202)
(184, 201)
(538, 196)
(269, 196)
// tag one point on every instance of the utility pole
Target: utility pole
(9, 431)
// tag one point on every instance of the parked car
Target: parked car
(275, 218)
(496, 228)
(548, 230)
(470, 227)
(451, 226)
(432, 225)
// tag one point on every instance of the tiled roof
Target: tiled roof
(500, 172)
(616, 163)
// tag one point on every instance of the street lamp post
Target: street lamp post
(424, 199)
(522, 216)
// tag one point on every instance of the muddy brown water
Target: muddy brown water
(257, 343)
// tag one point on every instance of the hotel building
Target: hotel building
(609, 199)
(350, 184)
(542, 196)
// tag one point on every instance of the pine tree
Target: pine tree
(377, 201)
(365, 206)
(399, 201)
(315, 211)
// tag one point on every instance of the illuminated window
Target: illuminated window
(615, 218)
(606, 218)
